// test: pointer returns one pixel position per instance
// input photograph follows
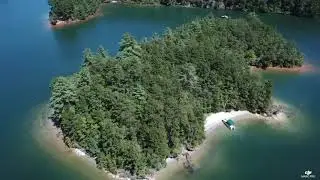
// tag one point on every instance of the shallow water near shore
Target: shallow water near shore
(249, 149)
(46, 135)
(32, 54)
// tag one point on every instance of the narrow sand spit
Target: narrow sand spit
(306, 68)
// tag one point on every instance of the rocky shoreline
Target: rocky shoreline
(303, 69)
(61, 24)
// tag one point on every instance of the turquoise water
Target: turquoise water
(32, 54)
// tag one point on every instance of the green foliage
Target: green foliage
(129, 47)
(134, 110)
(293, 7)
(315, 7)
(72, 9)
(307, 8)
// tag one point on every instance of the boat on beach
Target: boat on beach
(229, 123)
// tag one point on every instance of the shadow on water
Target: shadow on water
(66, 35)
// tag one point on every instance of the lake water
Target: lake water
(31, 54)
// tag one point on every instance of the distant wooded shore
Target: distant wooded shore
(64, 13)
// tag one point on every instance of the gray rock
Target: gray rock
(220, 5)
(213, 4)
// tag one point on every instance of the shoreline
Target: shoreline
(305, 68)
(49, 138)
(213, 123)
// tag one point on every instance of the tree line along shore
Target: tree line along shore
(79, 10)
(133, 110)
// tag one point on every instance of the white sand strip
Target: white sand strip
(215, 119)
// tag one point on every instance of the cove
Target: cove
(32, 54)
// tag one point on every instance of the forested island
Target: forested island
(135, 109)
(73, 10)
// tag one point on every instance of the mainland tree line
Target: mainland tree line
(80, 9)
(133, 110)
(309, 8)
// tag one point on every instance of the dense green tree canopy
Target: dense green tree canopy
(133, 110)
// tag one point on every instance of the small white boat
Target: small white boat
(225, 16)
